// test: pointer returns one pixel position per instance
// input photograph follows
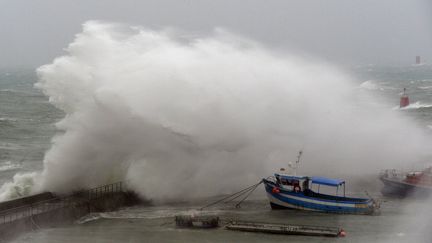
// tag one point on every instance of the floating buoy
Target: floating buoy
(342, 233)
(404, 100)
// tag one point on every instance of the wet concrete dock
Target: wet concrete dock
(48, 210)
(284, 229)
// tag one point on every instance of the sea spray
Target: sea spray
(23, 184)
(179, 118)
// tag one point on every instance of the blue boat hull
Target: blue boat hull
(287, 199)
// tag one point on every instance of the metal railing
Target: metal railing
(75, 199)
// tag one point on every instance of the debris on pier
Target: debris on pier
(197, 221)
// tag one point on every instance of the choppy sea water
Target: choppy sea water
(26, 123)
(398, 222)
(27, 127)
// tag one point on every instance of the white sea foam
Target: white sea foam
(88, 218)
(416, 105)
(8, 119)
(374, 85)
(151, 213)
(8, 90)
(23, 184)
(8, 165)
(425, 87)
(182, 118)
(370, 85)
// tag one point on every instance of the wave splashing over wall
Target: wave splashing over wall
(182, 117)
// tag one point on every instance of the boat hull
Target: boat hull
(398, 188)
(285, 199)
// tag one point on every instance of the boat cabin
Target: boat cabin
(306, 183)
(292, 183)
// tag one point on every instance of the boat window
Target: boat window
(289, 182)
(306, 184)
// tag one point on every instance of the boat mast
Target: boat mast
(297, 162)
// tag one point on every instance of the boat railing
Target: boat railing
(271, 178)
(392, 173)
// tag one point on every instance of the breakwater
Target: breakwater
(49, 210)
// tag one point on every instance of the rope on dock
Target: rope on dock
(233, 196)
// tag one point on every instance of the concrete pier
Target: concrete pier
(48, 210)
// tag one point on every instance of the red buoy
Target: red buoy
(404, 100)
(275, 190)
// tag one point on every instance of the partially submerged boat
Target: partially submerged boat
(407, 184)
(290, 191)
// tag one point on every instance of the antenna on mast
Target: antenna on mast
(297, 161)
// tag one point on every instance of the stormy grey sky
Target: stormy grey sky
(33, 32)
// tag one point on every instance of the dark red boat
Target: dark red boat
(413, 183)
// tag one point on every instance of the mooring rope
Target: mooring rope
(241, 194)
(250, 192)
(234, 195)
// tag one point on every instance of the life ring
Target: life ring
(297, 189)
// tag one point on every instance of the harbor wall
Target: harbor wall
(57, 211)
(26, 201)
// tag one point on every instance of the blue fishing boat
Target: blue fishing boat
(286, 191)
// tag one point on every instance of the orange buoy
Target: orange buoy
(404, 100)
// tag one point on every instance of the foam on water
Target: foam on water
(8, 119)
(370, 85)
(425, 87)
(8, 165)
(416, 105)
(23, 184)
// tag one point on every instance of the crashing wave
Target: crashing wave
(416, 105)
(370, 85)
(185, 118)
(23, 184)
